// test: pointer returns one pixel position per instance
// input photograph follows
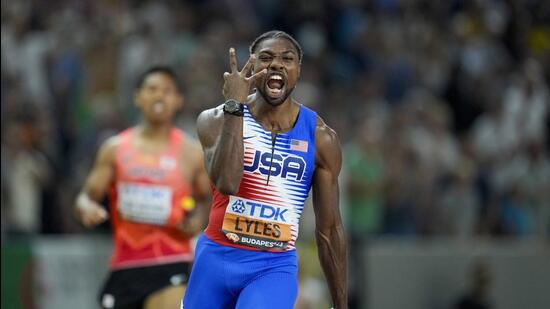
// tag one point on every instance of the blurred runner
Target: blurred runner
(158, 191)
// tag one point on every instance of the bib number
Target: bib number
(144, 203)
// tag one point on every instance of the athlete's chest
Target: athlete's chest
(275, 161)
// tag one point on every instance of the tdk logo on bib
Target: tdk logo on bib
(263, 211)
(238, 206)
(285, 165)
(254, 209)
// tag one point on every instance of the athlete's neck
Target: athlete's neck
(280, 118)
(155, 131)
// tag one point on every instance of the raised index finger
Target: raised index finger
(232, 60)
(248, 66)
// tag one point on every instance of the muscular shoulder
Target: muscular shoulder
(325, 136)
(209, 117)
(328, 152)
(208, 122)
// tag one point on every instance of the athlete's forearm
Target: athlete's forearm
(331, 244)
(226, 168)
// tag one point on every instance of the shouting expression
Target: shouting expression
(281, 59)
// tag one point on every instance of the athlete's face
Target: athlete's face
(282, 62)
(158, 98)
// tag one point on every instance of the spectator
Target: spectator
(432, 73)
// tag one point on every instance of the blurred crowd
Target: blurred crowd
(441, 106)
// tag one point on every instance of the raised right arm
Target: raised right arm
(221, 136)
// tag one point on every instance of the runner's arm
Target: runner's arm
(329, 232)
(198, 219)
(87, 208)
(221, 136)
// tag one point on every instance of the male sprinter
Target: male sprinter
(263, 153)
(155, 175)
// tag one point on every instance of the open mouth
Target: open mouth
(159, 107)
(275, 85)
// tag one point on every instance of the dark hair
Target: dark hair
(160, 69)
(273, 34)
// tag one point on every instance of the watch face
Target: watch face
(232, 107)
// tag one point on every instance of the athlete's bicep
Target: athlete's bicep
(102, 173)
(328, 160)
(209, 124)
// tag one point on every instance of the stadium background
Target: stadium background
(441, 107)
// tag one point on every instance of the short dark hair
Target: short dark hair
(274, 34)
(160, 69)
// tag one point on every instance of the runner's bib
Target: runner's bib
(144, 203)
(257, 224)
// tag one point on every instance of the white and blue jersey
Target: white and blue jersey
(278, 170)
(246, 258)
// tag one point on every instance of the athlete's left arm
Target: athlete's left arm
(329, 231)
(198, 219)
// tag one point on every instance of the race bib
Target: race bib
(144, 203)
(257, 224)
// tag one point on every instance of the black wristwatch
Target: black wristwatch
(233, 107)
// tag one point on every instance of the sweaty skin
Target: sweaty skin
(221, 136)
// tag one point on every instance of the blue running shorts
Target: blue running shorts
(227, 277)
